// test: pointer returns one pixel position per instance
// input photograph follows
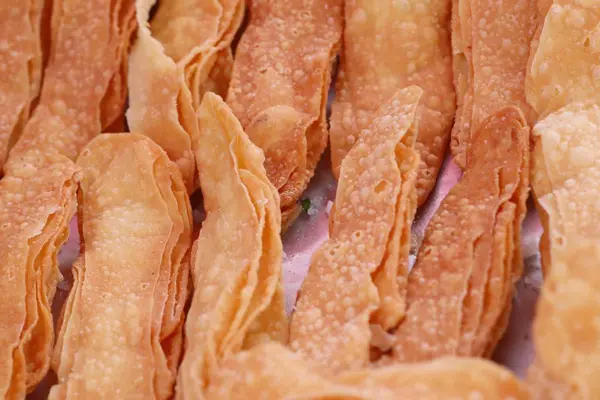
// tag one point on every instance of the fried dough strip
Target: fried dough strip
(114, 339)
(330, 324)
(88, 46)
(237, 257)
(490, 46)
(565, 181)
(373, 67)
(35, 210)
(253, 374)
(186, 54)
(20, 65)
(453, 288)
(564, 58)
(279, 86)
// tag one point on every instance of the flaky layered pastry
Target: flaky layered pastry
(564, 56)
(236, 261)
(490, 46)
(21, 66)
(565, 182)
(463, 279)
(358, 276)
(120, 332)
(279, 86)
(184, 53)
(387, 46)
(35, 209)
(84, 90)
(272, 371)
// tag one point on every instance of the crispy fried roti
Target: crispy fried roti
(183, 53)
(236, 261)
(74, 104)
(273, 372)
(120, 334)
(21, 61)
(490, 47)
(374, 67)
(35, 209)
(279, 86)
(465, 269)
(348, 277)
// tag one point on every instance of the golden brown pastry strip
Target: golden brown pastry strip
(454, 283)
(237, 257)
(273, 372)
(89, 39)
(279, 86)
(564, 57)
(174, 65)
(373, 67)
(20, 66)
(115, 337)
(35, 209)
(330, 324)
(490, 49)
(565, 180)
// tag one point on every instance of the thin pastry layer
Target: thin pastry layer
(490, 46)
(20, 65)
(466, 268)
(273, 372)
(76, 103)
(236, 261)
(279, 87)
(387, 46)
(182, 54)
(119, 334)
(564, 180)
(35, 209)
(348, 279)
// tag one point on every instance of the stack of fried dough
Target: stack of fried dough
(117, 112)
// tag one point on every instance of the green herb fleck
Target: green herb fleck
(305, 205)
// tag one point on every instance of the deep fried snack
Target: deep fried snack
(79, 95)
(236, 261)
(20, 65)
(374, 66)
(564, 58)
(469, 260)
(35, 209)
(490, 46)
(279, 86)
(186, 54)
(349, 276)
(120, 332)
(565, 180)
(273, 372)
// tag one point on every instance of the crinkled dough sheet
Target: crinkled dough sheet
(565, 182)
(279, 85)
(564, 56)
(252, 374)
(373, 67)
(346, 287)
(35, 209)
(21, 67)
(490, 47)
(463, 279)
(236, 261)
(183, 53)
(120, 333)
(80, 96)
